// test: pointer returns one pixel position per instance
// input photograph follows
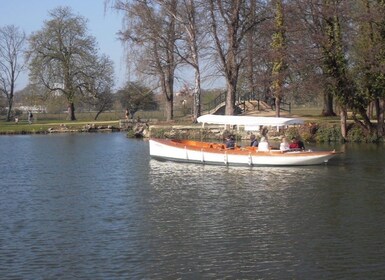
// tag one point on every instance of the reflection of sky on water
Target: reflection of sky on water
(96, 207)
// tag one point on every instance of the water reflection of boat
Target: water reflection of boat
(214, 153)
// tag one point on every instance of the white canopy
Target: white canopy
(250, 123)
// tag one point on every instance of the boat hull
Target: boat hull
(212, 153)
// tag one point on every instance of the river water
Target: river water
(95, 206)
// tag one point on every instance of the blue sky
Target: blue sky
(29, 15)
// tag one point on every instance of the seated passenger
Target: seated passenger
(253, 141)
(230, 142)
(284, 146)
(263, 145)
(296, 144)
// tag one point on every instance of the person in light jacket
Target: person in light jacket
(284, 146)
(263, 145)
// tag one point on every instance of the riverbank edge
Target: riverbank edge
(311, 132)
(61, 129)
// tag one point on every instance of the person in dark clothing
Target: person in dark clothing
(30, 117)
(230, 142)
(253, 141)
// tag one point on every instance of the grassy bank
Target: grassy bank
(42, 126)
(316, 128)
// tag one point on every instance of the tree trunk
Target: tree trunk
(10, 103)
(230, 99)
(328, 105)
(169, 110)
(278, 46)
(97, 115)
(250, 66)
(71, 112)
(232, 78)
(277, 107)
(192, 31)
(10, 97)
(229, 56)
(370, 110)
(197, 96)
(343, 119)
(380, 117)
(168, 71)
(250, 57)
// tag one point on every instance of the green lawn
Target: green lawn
(44, 125)
(42, 122)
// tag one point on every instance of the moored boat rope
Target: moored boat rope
(226, 160)
(250, 159)
(203, 156)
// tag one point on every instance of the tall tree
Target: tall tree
(62, 56)
(12, 43)
(230, 22)
(315, 16)
(278, 45)
(152, 31)
(335, 62)
(193, 31)
(369, 56)
(255, 73)
(249, 69)
(134, 96)
(98, 85)
(187, 16)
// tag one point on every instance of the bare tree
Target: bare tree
(12, 42)
(135, 96)
(188, 17)
(63, 57)
(279, 63)
(230, 22)
(98, 85)
(152, 31)
(369, 55)
(304, 80)
(250, 51)
(323, 20)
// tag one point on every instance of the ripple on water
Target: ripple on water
(96, 206)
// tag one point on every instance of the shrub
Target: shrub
(328, 134)
(357, 134)
(292, 132)
(314, 132)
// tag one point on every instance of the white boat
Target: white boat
(215, 153)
